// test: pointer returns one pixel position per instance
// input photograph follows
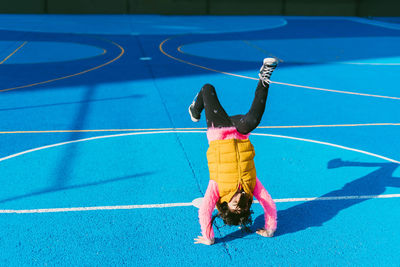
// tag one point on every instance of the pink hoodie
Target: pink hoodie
(211, 196)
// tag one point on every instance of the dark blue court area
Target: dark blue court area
(101, 165)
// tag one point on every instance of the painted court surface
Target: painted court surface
(100, 162)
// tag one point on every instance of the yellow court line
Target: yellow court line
(196, 65)
(180, 49)
(281, 83)
(72, 75)
(199, 128)
(256, 47)
(15, 51)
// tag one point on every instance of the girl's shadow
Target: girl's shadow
(316, 212)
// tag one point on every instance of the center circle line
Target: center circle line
(174, 132)
(129, 207)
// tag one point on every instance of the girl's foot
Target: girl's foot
(269, 65)
(192, 112)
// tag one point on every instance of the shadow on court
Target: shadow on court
(316, 212)
(70, 187)
(134, 96)
(130, 68)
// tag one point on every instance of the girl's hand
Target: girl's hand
(265, 233)
(203, 240)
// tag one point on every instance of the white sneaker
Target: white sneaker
(269, 65)
(194, 119)
(191, 114)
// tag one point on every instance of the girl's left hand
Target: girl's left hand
(203, 240)
(265, 233)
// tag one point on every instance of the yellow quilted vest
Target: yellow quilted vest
(231, 164)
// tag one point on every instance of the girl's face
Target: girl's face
(233, 204)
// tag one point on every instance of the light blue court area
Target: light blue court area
(100, 162)
(115, 171)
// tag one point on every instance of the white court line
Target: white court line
(174, 205)
(89, 139)
(200, 128)
(184, 204)
(125, 207)
(330, 144)
(336, 91)
(166, 132)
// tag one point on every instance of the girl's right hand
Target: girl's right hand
(203, 240)
(265, 233)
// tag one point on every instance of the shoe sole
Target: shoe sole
(191, 116)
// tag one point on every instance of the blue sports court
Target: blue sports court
(100, 164)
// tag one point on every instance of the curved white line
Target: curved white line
(164, 132)
(128, 207)
(88, 139)
(330, 144)
(334, 91)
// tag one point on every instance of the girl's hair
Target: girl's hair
(242, 218)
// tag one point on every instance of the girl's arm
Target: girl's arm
(205, 213)
(269, 207)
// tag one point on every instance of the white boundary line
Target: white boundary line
(200, 128)
(125, 207)
(187, 131)
(336, 91)
(128, 207)
(89, 139)
(187, 204)
(330, 144)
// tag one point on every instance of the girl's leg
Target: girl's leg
(248, 122)
(215, 114)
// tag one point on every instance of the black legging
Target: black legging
(217, 117)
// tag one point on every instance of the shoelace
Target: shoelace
(266, 71)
